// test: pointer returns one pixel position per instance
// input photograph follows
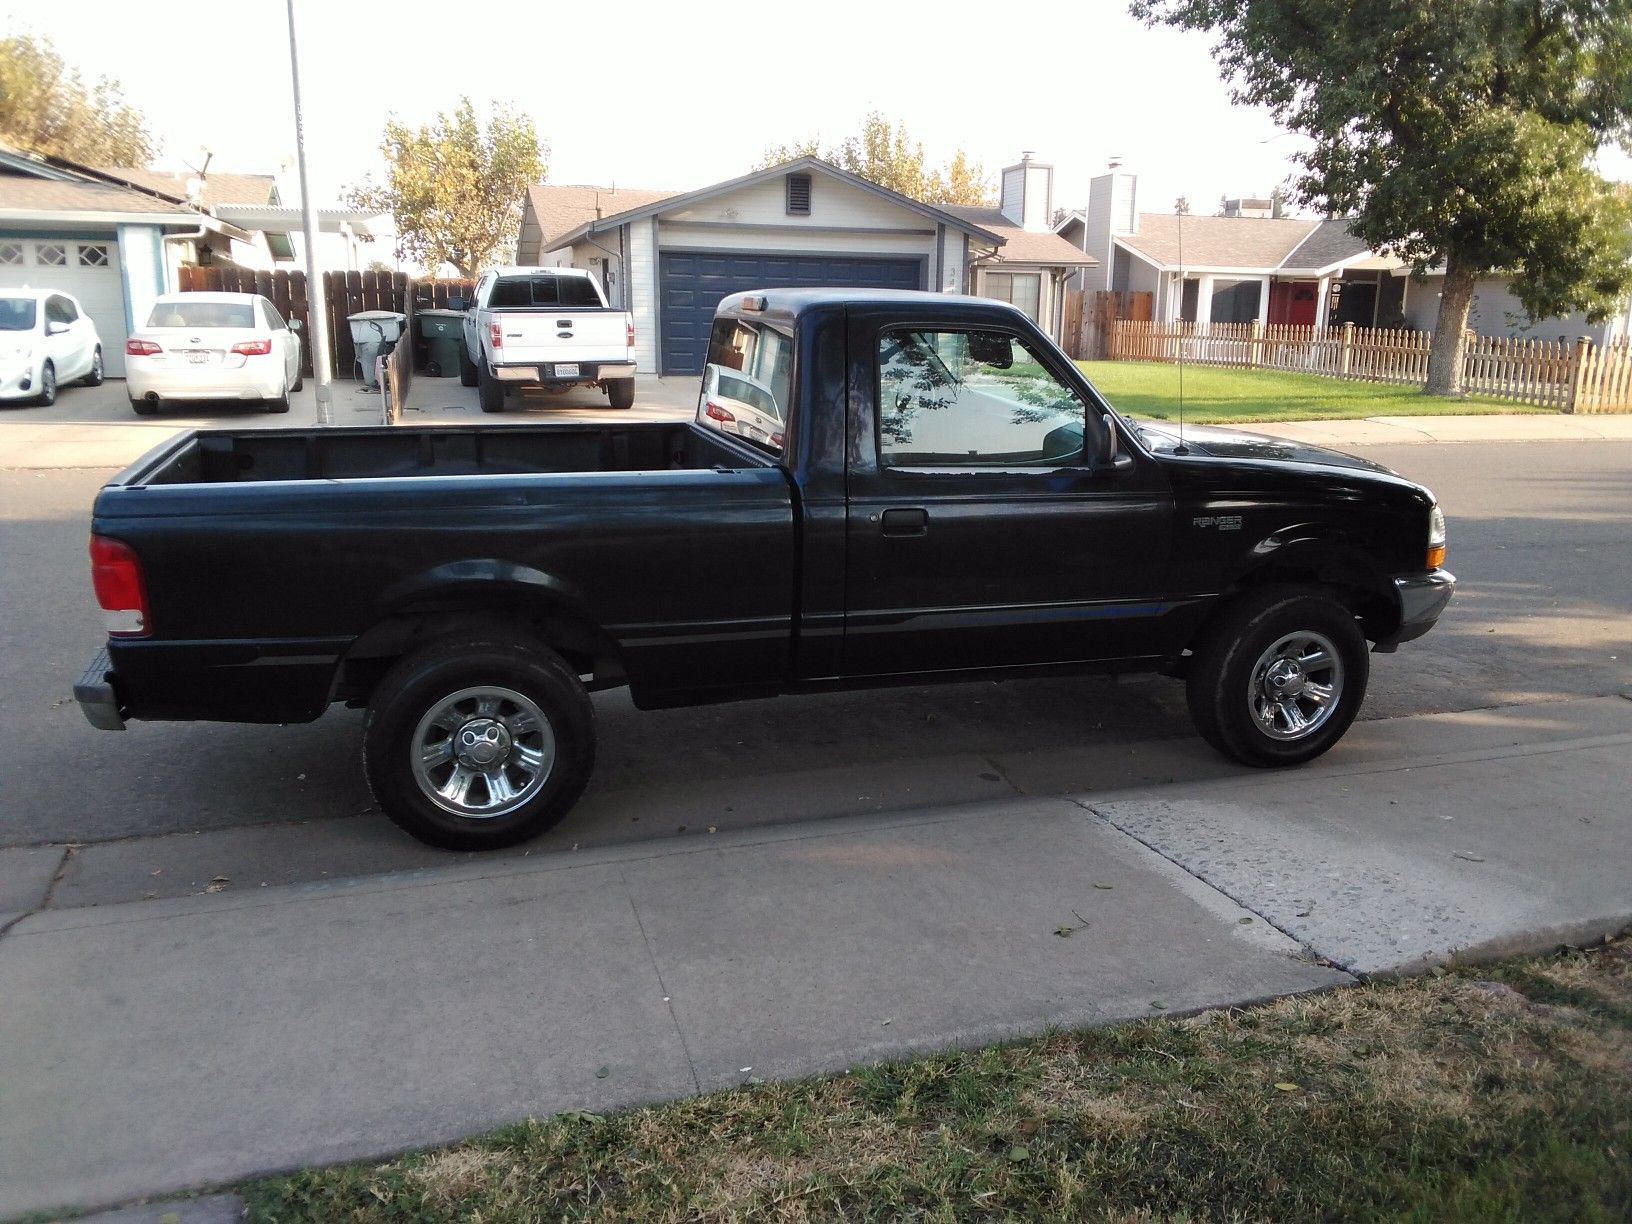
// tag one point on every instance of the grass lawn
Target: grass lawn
(1501, 1093)
(1215, 393)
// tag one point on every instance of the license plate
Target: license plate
(566, 371)
(198, 358)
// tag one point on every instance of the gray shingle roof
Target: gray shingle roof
(48, 195)
(1330, 243)
(1219, 242)
(560, 209)
(219, 188)
(1045, 248)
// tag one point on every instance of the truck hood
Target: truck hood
(1219, 443)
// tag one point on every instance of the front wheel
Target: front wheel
(1279, 678)
(467, 368)
(48, 385)
(478, 743)
(620, 393)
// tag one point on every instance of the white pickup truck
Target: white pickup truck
(546, 327)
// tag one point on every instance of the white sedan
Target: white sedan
(46, 340)
(212, 346)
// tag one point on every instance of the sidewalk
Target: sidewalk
(157, 1045)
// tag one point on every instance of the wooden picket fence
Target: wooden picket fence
(1568, 376)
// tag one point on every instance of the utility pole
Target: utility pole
(317, 308)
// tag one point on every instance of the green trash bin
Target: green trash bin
(441, 336)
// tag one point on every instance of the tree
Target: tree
(454, 190)
(1456, 134)
(46, 108)
(883, 153)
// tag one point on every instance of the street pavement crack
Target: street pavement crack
(668, 997)
(45, 901)
(1239, 902)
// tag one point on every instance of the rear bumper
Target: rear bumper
(1422, 598)
(246, 382)
(544, 374)
(96, 696)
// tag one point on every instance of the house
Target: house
(1249, 265)
(670, 257)
(117, 238)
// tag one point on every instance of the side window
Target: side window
(747, 382)
(59, 310)
(273, 319)
(972, 399)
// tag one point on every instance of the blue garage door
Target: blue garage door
(691, 284)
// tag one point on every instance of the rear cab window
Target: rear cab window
(747, 382)
(544, 289)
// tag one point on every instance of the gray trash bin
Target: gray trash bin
(443, 334)
(374, 332)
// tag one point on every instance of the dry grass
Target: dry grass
(1503, 1093)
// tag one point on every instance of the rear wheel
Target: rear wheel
(477, 743)
(144, 407)
(467, 368)
(490, 391)
(1280, 677)
(620, 393)
(281, 404)
(300, 379)
(48, 385)
(94, 378)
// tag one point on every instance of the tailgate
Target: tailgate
(564, 334)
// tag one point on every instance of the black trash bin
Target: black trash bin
(441, 335)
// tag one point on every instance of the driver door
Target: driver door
(981, 533)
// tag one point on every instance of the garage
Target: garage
(691, 284)
(87, 268)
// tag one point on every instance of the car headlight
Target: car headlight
(1436, 537)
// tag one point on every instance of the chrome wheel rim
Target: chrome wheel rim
(96, 364)
(1295, 687)
(48, 383)
(482, 752)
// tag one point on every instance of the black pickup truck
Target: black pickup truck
(878, 488)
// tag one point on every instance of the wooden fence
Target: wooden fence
(1089, 318)
(1569, 376)
(396, 372)
(345, 293)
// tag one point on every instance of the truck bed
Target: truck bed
(221, 456)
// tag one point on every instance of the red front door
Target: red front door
(1293, 302)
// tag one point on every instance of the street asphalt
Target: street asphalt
(216, 961)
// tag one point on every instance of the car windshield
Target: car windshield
(543, 291)
(202, 314)
(17, 314)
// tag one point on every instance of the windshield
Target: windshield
(202, 314)
(543, 291)
(17, 314)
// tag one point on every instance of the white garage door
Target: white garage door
(88, 268)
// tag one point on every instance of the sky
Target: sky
(683, 94)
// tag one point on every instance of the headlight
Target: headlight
(1436, 537)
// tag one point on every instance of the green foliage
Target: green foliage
(46, 108)
(1455, 132)
(454, 189)
(884, 153)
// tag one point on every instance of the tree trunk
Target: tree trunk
(1451, 330)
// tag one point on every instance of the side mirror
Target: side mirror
(55, 329)
(1111, 457)
(296, 325)
(458, 303)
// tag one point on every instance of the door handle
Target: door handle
(905, 522)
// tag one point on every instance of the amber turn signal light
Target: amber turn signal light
(1436, 556)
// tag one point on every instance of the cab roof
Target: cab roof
(789, 304)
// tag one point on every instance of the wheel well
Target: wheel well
(587, 648)
(1361, 592)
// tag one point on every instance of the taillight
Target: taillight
(141, 348)
(630, 328)
(495, 333)
(253, 348)
(715, 413)
(116, 573)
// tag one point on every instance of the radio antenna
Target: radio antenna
(1182, 206)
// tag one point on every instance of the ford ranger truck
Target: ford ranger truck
(877, 489)
(549, 328)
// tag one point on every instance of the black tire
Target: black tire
(94, 378)
(432, 675)
(490, 391)
(48, 386)
(300, 379)
(281, 404)
(620, 393)
(1221, 687)
(467, 368)
(144, 407)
